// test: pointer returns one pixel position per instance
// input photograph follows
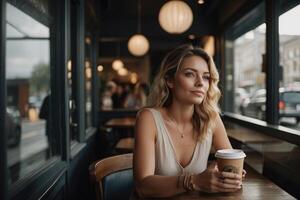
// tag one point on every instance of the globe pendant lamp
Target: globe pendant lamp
(138, 45)
(117, 64)
(175, 17)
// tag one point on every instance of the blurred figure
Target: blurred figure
(13, 127)
(145, 88)
(45, 114)
(137, 98)
(106, 100)
(119, 97)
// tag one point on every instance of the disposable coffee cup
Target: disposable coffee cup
(230, 160)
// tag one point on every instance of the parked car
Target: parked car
(240, 95)
(289, 104)
(13, 126)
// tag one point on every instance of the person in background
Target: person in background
(119, 97)
(45, 114)
(106, 100)
(145, 88)
(174, 134)
(137, 98)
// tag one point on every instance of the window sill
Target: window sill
(277, 131)
(42, 178)
(89, 132)
(76, 147)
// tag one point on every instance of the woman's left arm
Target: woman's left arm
(220, 138)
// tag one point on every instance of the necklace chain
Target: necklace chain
(176, 124)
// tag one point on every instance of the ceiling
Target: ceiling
(117, 20)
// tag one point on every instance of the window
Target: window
(245, 73)
(30, 142)
(71, 78)
(71, 100)
(76, 76)
(88, 83)
(289, 41)
(88, 69)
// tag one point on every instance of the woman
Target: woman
(174, 135)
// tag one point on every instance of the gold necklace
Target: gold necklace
(176, 125)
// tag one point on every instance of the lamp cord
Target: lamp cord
(139, 16)
(118, 49)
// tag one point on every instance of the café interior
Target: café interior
(75, 73)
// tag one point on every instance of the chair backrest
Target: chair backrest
(113, 177)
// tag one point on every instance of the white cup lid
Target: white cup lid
(230, 154)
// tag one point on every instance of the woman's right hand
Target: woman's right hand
(213, 181)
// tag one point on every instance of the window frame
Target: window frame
(78, 28)
(93, 49)
(54, 169)
(77, 51)
(3, 149)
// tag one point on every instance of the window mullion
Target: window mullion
(272, 61)
(3, 138)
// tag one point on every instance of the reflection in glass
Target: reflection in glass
(88, 83)
(72, 106)
(28, 89)
(289, 52)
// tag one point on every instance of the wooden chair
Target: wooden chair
(113, 177)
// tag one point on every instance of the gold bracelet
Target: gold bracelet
(192, 185)
(186, 182)
(178, 181)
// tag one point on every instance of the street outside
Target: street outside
(31, 153)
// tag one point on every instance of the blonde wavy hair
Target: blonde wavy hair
(161, 96)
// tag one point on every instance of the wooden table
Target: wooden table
(127, 122)
(255, 187)
(124, 127)
(125, 145)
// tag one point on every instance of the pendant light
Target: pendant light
(175, 17)
(138, 44)
(117, 64)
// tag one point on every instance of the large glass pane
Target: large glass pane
(72, 106)
(28, 87)
(289, 43)
(88, 83)
(245, 75)
(72, 76)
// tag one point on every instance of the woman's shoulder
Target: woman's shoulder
(149, 109)
(145, 112)
(149, 113)
(146, 122)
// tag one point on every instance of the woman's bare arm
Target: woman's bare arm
(148, 184)
(220, 138)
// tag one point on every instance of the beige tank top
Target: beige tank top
(166, 163)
